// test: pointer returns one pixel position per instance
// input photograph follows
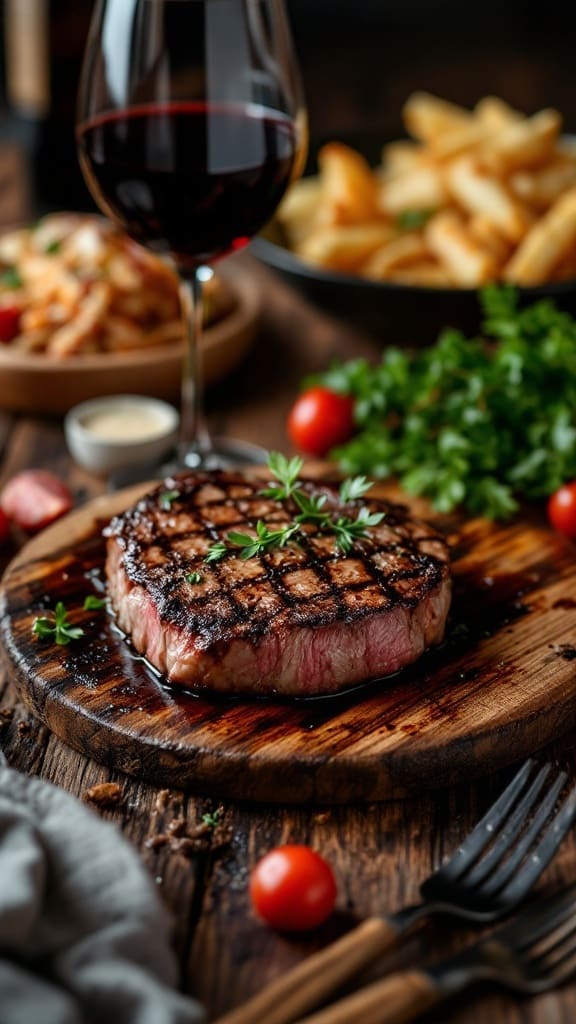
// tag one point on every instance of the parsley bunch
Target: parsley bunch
(477, 423)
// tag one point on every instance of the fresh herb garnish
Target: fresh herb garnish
(57, 627)
(347, 530)
(11, 278)
(216, 551)
(212, 819)
(251, 545)
(194, 577)
(311, 509)
(287, 472)
(53, 247)
(412, 220)
(470, 422)
(166, 499)
(93, 603)
(353, 488)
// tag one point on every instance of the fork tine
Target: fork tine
(505, 871)
(544, 852)
(540, 921)
(510, 830)
(483, 833)
(551, 950)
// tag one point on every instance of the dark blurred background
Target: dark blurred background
(360, 59)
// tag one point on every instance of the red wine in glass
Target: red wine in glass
(191, 179)
(191, 125)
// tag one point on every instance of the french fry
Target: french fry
(546, 245)
(566, 269)
(298, 211)
(421, 189)
(485, 234)
(540, 188)
(485, 179)
(495, 114)
(464, 260)
(349, 189)
(459, 141)
(523, 143)
(345, 247)
(426, 116)
(400, 252)
(482, 194)
(399, 157)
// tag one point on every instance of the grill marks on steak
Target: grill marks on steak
(243, 627)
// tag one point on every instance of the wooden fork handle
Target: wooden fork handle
(394, 1000)
(316, 978)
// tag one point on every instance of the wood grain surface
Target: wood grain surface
(501, 686)
(380, 852)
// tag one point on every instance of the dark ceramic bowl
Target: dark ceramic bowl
(397, 314)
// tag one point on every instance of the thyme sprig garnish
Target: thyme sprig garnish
(212, 818)
(166, 498)
(93, 603)
(286, 472)
(57, 627)
(311, 509)
(194, 578)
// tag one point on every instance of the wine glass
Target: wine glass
(191, 126)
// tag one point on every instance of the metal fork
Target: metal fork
(535, 953)
(486, 877)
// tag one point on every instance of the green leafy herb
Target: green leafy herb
(53, 247)
(251, 545)
(166, 499)
(412, 220)
(311, 509)
(353, 488)
(216, 551)
(287, 472)
(194, 577)
(347, 530)
(11, 278)
(57, 627)
(93, 603)
(212, 819)
(472, 422)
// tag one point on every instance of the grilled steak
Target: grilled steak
(301, 620)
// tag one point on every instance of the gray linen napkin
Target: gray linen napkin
(84, 938)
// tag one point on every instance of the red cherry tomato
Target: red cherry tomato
(4, 527)
(9, 322)
(293, 889)
(562, 510)
(35, 498)
(319, 420)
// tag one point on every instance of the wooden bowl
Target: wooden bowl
(37, 383)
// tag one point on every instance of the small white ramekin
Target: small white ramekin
(108, 455)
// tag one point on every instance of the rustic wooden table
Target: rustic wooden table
(380, 853)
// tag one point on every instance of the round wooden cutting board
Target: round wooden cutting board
(502, 685)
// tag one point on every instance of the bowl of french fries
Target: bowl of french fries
(84, 312)
(471, 197)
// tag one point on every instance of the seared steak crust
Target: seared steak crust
(303, 619)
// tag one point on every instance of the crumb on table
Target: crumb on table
(104, 794)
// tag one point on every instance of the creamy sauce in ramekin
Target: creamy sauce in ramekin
(128, 423)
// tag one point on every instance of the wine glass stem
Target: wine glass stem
(195, 442)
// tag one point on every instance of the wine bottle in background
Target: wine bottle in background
(43, 45)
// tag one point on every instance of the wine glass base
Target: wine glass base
(224, 453)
